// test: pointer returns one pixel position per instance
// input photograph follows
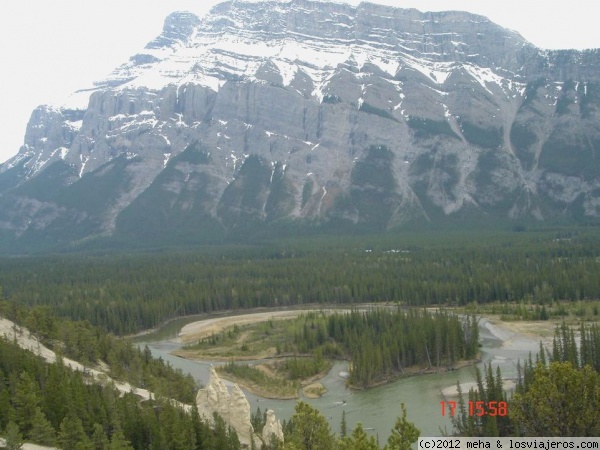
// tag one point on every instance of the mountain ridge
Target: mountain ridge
(313, 113)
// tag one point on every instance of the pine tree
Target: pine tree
(72, 435)
(577, 391)
(118, 441)
(358, 440)
(41, 429)
(99, 439)
(541, 354)
(202, 431)
(311, 430)
(343, 425)
(55, 392)
(404, 433)
(7, 411)
(224, 437)
(544, 314)
(14, 438)
(256, 419)
(26, 401)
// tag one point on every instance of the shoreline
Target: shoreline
(512, 334)
(224, 314)
(410, 372)
(417, 373)
(196, 331)
(201, 329)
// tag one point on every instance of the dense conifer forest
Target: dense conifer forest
(383, 343)
(53, 405)
(76, 304)
(129, 293)
(91, 346)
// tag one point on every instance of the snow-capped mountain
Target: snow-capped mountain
(279, 115)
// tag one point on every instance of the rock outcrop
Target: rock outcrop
(234, 409)
(272, 431)
(239, 414)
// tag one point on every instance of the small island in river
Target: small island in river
(279, 354)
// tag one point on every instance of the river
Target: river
(376, 408)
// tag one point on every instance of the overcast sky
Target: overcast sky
(50, 48)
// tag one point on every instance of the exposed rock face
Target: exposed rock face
(214, 398)
(263, 114)
(232, 407)
(239, 414)
(272, 431)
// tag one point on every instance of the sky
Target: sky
(49, 49)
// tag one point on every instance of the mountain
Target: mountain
(289, 117)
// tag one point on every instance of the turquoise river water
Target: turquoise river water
(376, 408)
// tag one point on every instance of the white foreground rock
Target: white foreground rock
(272, 429)
(234, 409)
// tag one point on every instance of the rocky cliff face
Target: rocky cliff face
(260, 116)
(234, 409)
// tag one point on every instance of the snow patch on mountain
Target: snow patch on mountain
(436, 72)
(225, 45)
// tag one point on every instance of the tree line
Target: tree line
(382, 343)
(557, 395)
(309, 430)
(126, 293)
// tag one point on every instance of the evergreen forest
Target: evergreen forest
(128, 293)
(50, 404)
(82, 306)
(383, 343)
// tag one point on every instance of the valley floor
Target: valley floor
(267, 360)
(282, 389)
(514, 335)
